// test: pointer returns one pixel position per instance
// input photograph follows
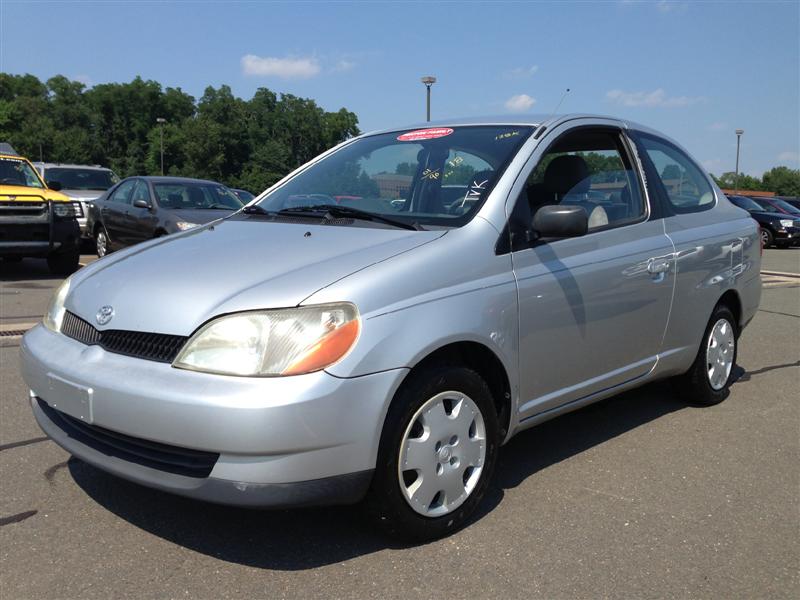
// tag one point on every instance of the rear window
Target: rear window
(433, 176)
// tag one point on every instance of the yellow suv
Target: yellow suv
(36, 220)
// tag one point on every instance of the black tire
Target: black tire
(63, 263)
(766, 238)
(385, 501)
(694, 385)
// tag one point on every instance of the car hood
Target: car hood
(201, 216)
(84, 195)
(176, 283)
(29, 194)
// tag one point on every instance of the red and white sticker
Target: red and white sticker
(424, 134)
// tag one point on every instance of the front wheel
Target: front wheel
(708, 381)
(437, 454)
(101, 243)
(766, 238)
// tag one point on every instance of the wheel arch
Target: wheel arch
(732, 300)
(484, 361)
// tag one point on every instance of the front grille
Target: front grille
(10, 208)
(171, 459)
(159, 347)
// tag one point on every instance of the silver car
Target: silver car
(378, 323)
(83, 183)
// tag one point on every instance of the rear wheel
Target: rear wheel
(63, 263)
(437, 454)
(707, 382)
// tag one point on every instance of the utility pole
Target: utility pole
(161, 121)
(739, 133)
(428, 80)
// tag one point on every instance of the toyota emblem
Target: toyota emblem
(105, 314)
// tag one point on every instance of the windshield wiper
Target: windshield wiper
(255, 209)
(328, 211)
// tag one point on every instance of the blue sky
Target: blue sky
(695, 70)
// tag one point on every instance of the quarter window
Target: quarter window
(684, 184)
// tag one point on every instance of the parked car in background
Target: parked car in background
(777, 228)
(243, 195)
(36, 220)
(142, 208)
(304, 351)
(82, 183)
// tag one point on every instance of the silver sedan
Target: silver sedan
(375, 325)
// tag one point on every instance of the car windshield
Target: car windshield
(244, 195)
(785, 206)
(15, 171)
(745, 203)
(434, 176)
(72, 178)
(766, 206)
(196, 195)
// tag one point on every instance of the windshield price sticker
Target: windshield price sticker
(424, 134)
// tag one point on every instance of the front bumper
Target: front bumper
(287, 441)
(787, 235)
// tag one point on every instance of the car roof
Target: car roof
(163, 179)
(521, 120)
(48, 165)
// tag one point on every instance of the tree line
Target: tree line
(781, 180)
(247, 144)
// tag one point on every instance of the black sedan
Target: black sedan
(142, 208)
(777, 229)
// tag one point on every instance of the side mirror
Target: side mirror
(142, 204)
(54, 185)
(560, 221)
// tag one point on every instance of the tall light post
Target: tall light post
(739, 133)
(428, 80)
(161, 121)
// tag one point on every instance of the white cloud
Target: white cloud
(520, 103)
(285, 68)
(656, 98)
(789, 157)
(521, 72)
(667, 6)
(343, 65)
(718, 126)
(712, 165)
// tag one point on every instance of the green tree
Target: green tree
(783, 181)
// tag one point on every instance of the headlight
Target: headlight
(270, 343)
(184, 225)
(787, 222)
(55, 310)
(66, 210)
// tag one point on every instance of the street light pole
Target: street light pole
(428, 81)
(739, 133)
(161, 121)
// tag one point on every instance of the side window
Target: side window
(141, 192)
(589, 168)
(122, 194)
(684, 184)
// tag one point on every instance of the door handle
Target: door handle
(658, 268)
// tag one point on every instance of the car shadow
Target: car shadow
(306, 538)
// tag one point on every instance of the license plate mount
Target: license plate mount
(70, 398)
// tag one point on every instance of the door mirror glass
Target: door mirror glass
(561, 221)
(54, 185)
(141, 203)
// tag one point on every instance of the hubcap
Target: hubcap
(719, 354)
(442, 454)
(764, 238)
(101, 244)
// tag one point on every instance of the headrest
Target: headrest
(567, 173)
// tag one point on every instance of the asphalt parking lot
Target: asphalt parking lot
(637, 496)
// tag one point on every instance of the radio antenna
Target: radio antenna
(564, 95)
